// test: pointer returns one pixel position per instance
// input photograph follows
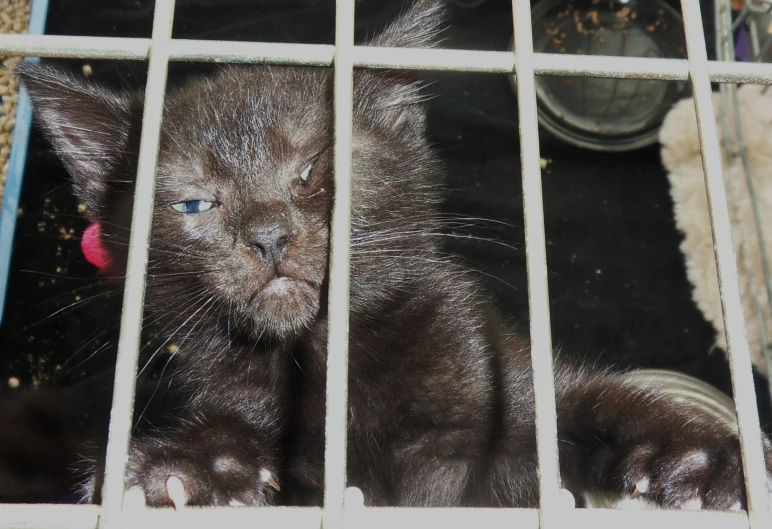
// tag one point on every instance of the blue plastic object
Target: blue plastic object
(17, 160)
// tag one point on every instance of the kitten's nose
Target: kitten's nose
(269, 240)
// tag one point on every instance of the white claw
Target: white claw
(695, 504)
(267, 477)
(736, 507)
(175, 489)
(236, 503)
(642, 486)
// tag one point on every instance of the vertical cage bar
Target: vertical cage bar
(337, 342)
(731, 305)
(536, 260)
(134, 293)
(725, 52)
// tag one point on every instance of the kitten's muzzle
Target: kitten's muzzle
(269, 240)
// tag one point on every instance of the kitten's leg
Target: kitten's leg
(618, 437)
(436, 467)
(211, 460)
(438, 483)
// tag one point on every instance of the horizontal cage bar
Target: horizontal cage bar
(373, 57)
(85, 517)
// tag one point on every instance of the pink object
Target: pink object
(93, 248)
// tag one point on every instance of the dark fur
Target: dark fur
(441, 398)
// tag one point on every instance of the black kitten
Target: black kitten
(441, 397)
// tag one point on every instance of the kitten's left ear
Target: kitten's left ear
(393, 98)
(417, 27)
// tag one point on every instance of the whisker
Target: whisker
(59, 312)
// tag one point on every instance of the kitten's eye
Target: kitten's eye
(193, 206)
(306, 173)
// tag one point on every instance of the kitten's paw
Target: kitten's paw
(176, 475)
(689, 473)
(176, 494)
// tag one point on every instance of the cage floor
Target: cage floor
(618, 288)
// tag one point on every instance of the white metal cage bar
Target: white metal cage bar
(337, 344)
(374, 57)
(86, 516)
(726, 262)
(134, 292)
(737, 148)
(161, 49)
(536, 263)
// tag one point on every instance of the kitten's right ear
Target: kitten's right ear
(88, 126)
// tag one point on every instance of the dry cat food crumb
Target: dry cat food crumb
(66, 234)
(622, 13)
(87, 70)
(14, 18)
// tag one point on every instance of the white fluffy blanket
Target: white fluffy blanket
(681, 157)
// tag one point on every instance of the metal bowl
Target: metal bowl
(606, 114)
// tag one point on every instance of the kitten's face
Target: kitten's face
(244, 192)
(245, 187)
